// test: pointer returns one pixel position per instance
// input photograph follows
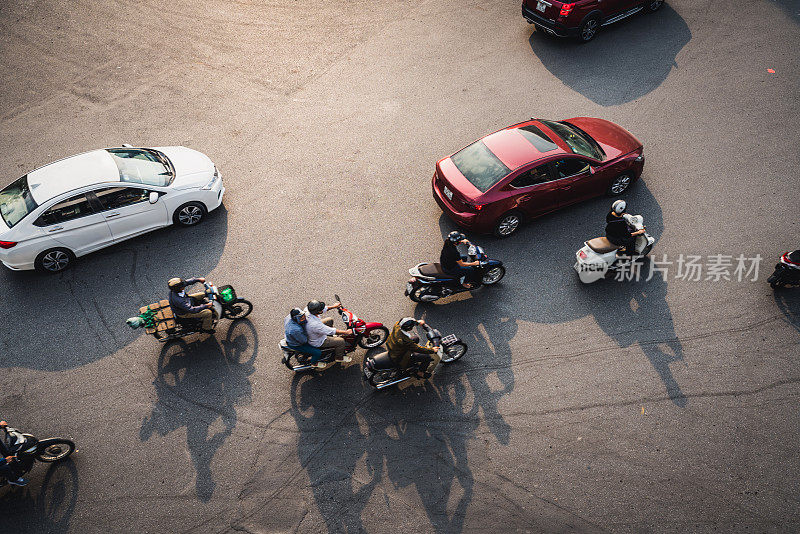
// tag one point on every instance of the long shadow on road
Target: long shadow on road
(541, 287)
(625, 61)
(45, 509)
(85, 307)
(198, 383)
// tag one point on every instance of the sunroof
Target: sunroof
(537, 138)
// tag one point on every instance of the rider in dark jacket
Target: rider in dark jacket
(403, 348)
(617, 230)
(452, 263)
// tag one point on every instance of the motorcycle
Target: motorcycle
(28, 450)
(381, 372)
(787, 271)
(161, 323)
(365, 335)
(429, 282)
(598, 257)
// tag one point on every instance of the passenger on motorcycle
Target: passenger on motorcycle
(617, 230)
(183, 306)
(321, 333)
(9, 465)
(404, 350)
(294, 326)
(452, 262)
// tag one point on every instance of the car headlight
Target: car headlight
(214, 179)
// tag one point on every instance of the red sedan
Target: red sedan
(532, 168)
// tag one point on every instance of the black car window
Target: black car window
(570, 167)
(118, 197)
(537, 175)
(537, 138)
(72, 208)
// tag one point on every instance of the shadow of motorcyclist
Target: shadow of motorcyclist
(487, 332)
(330, 444)
(85, 307)
(196, 383)
(626, 60)
(788, 302)
(48, 509)
(541, 286)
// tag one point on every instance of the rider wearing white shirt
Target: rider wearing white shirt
(321, 332)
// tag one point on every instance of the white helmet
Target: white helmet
(619, 206)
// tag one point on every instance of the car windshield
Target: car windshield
(537, 138)
(16, 202)
(579, 141)
(478, 165)
(139, 166)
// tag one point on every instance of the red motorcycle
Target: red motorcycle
(365, 335)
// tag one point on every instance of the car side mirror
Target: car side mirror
(153, 197)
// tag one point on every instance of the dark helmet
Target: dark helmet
(454, 237)
(296, 313)
(408, 323)
(176, 284)
(316, 307)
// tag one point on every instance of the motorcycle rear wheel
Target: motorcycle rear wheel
(238, 310)
(422, 294)
(55, 449)
(454, 352)
(381, 377)
(376, 338)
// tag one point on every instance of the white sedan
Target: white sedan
(86, 202)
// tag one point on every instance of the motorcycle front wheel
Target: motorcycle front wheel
(493, 275)
(240, 309)
(375, 338)
(54, 449)
(454, 352)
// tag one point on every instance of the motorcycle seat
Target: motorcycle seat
(601, 245)
(435, 270)
(382, 362)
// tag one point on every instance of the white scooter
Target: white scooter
(598, 257)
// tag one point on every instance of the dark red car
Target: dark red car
(581, 19)
(532, 168)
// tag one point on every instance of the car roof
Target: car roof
(511, 147)
(71, 173)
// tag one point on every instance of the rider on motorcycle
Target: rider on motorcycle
(404, 350)
(9, 465)
(452, 262)
(294, 326)
(321, 333)
(617, 230)
(183, 306)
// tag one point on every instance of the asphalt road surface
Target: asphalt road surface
(667, 405)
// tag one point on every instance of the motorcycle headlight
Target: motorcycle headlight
(213, 180)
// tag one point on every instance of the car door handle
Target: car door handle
(112, 215)
(56, 228)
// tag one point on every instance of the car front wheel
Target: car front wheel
(654, 5)
(189, 214)
(54, 260)
(620, 184)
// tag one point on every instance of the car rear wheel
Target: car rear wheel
(588, 29)
(620, 184)
(189, 214)
(654, 5)
(54, 260)
(508, 224)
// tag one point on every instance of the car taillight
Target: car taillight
(7, 244)
(566, 8)
(582, 255)
(476, 207)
